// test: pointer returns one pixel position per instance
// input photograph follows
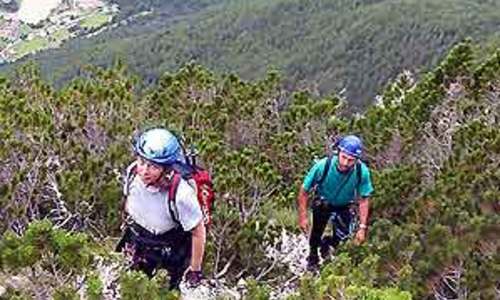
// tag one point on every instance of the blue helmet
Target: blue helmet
(351, 145)
(159, 146)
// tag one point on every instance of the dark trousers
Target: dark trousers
(342, 222)
(148, 252)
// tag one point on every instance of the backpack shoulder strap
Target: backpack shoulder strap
(359, 167)
(325, 170)
(172, 192)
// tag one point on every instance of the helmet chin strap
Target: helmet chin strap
(347, 170)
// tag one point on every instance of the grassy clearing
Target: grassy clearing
(95, 21)
(26, 47)
(61, 35)
(25, 29)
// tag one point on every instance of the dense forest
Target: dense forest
(433, 144)
(166, 9)
(348, 47)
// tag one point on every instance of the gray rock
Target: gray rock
(18, 282)
(2, 291)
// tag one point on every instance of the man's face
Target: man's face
(149, 172)
(346, 161)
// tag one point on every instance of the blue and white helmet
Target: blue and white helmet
(159, 146)
(351, 145)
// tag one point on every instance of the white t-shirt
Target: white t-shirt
(148, 207)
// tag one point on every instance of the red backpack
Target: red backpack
(203, 185)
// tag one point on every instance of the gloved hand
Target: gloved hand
(193, 278)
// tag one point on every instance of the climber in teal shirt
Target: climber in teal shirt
(338, 182)
(339, 188)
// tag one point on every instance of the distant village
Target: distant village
(69, 19)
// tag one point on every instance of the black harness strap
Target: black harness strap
(325, 170)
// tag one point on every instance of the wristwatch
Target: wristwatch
(363, 226)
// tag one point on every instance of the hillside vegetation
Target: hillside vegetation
(166, 8)
(433, 145)
(327, 46)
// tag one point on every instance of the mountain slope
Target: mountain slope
(433, 146)
(324, 45)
